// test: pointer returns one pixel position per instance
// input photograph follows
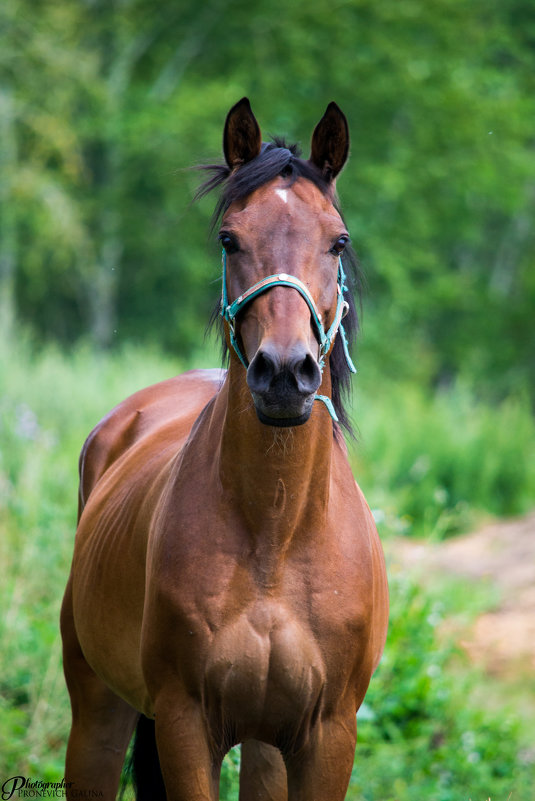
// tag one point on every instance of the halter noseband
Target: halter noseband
(326, 338)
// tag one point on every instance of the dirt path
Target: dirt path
(503, 639)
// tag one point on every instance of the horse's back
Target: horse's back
(179, 399)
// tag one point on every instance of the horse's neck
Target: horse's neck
(278, 477)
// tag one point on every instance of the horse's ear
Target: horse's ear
(330, 142)
(242, 139)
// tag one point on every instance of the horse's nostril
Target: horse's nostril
(307, 374)
(261, 372)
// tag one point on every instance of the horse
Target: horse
(228, 584)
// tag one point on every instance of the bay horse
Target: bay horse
(228, 584)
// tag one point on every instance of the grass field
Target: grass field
(428, 464)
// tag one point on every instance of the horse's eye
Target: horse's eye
(339, 245)
(228, 243)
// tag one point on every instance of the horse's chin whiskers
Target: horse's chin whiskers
(283, 440)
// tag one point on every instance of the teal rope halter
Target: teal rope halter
(229, 312)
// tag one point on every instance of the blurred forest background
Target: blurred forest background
(104, 103)
(108, 277)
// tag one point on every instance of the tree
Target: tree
(109, 100)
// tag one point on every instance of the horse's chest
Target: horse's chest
(264, 673)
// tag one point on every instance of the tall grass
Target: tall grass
(48, 404)
(425, 462)
(431, 463)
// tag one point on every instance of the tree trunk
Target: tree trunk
(8, 225)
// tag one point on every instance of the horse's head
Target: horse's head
(282, 237)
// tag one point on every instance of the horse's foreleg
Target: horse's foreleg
(262, 773)
(190, 764)
(102, 723)
(322, 769)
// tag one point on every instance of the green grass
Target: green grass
(422, 734)
(49, 403)
(427, 464)
(430, 464)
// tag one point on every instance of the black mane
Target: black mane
(278, 158)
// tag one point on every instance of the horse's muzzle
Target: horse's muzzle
(283, 386)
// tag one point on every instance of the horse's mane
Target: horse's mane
(277, 158)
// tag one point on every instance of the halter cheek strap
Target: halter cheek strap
(326, 338)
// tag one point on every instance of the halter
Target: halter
(229, 312)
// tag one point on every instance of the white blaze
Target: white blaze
(283, 194)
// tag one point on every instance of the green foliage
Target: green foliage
(421, 733)
(420, 736)
(230, 776)
(48, 404)
(103, 106)
(429, 462)
(102, 102)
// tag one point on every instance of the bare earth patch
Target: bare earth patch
(502, 640)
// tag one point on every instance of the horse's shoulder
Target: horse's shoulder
(179, 399)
